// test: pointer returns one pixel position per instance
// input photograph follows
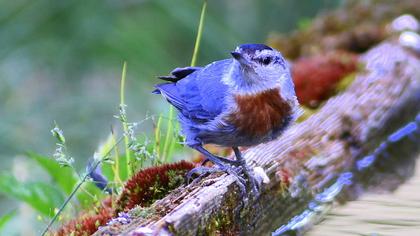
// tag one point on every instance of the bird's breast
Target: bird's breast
(260, 114)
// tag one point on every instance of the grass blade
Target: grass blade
(6, 218)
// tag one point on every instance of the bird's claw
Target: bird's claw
(238, 168)
(203, 171)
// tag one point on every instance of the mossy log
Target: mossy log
(304, 162)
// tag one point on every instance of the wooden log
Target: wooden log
(307, 160)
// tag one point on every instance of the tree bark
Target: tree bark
(310, 164)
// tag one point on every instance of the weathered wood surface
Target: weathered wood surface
(304, 161)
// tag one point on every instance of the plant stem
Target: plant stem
(168, 139)
(116, 166)
(124, 123)
(199, 34)
(156, 146)
(81, 182)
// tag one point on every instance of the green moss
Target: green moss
(345, 82)
(176, 178)
(142, 212)
(171, 229)
(223, 222)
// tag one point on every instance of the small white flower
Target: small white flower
(60, 155)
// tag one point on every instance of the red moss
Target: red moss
(87, 223)
(151, 184)
(142, 189)
(316, 77)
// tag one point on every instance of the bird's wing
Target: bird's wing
(200, 96)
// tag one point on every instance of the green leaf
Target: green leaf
(41, 196)
(65, 177)
(6, 218)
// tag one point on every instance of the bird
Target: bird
(241, 101)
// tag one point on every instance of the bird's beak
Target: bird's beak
(240, 58)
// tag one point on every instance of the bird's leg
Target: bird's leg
(219, 167)
(214, 157)
(209, 157)
(246, 170)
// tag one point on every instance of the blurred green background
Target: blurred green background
(61, 61)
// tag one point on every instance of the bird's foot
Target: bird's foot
(203, 171)
(249, 174)
(237, 169)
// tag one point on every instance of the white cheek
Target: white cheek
(287, 88)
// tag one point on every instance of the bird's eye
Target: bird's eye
(266, 60)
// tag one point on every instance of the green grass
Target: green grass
(170, 139)
(131, 143)
(66, 183)
(4, 219)
(124, 119)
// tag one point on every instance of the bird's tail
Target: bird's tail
(179, 73)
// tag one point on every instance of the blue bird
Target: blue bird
(242, 101)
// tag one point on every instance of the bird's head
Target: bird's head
(261, 66)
